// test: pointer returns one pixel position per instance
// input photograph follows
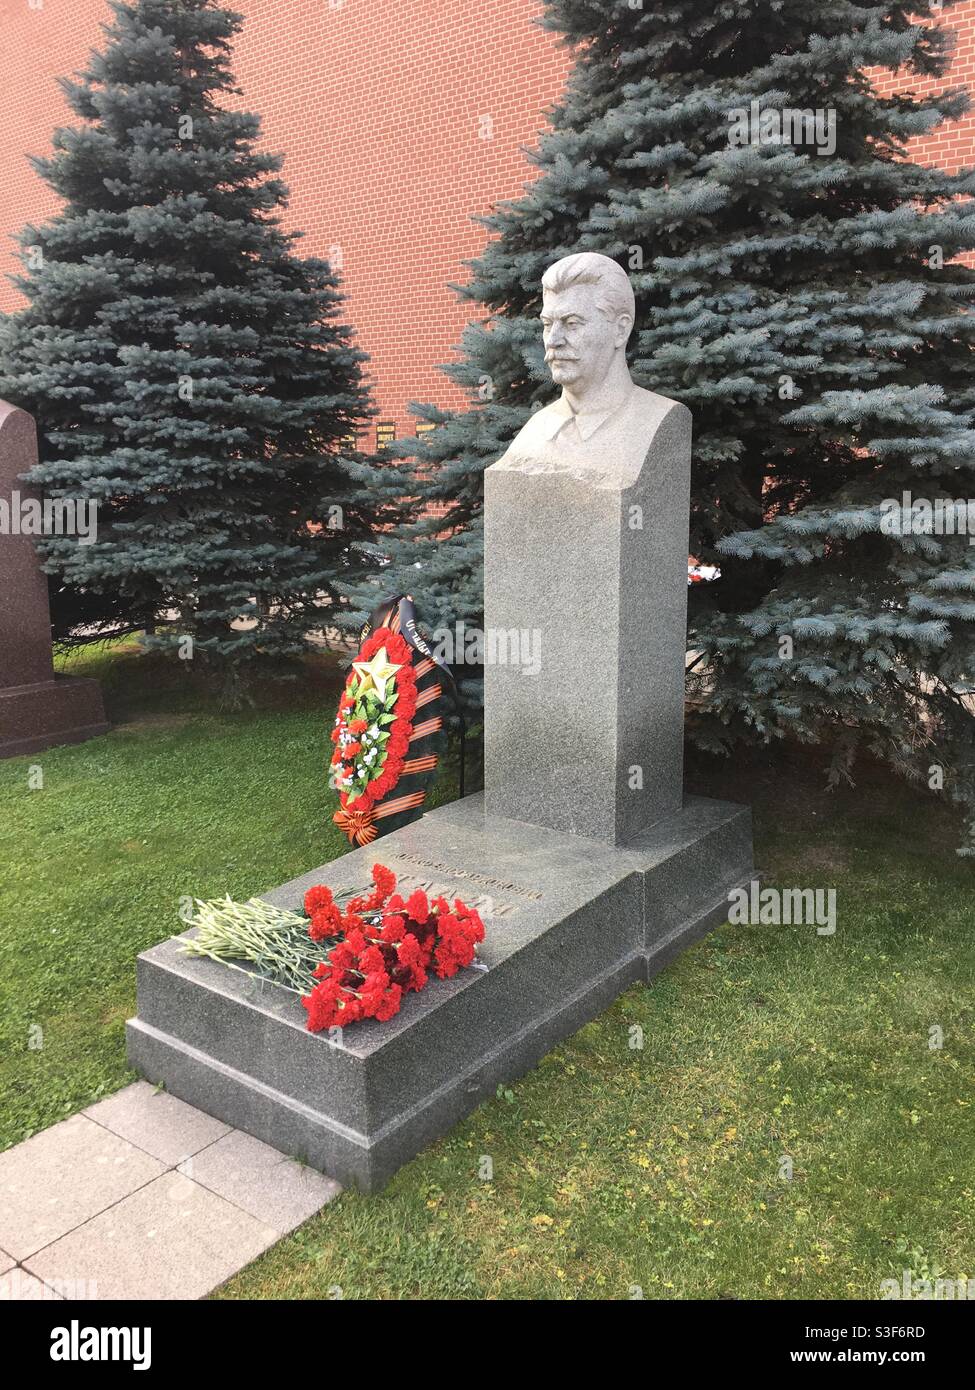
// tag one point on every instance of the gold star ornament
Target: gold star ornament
(374, 674)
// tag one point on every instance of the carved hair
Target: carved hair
(615, 293)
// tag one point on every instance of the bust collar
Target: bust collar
(553, 419)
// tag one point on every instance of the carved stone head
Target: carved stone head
(587, 316)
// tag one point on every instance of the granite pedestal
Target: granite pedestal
(589, 563)
(570, 923)
(37, 708)
(64, 709)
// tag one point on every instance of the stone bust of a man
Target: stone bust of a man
(601, 427)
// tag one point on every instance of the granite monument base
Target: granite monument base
(570, 923)
(67, 709)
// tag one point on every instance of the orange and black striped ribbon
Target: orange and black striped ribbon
(399, 616)
(428, 727)
(399, 803)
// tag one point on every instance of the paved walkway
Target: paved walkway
(143, 1196)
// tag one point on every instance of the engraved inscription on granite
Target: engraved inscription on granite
(487, 903)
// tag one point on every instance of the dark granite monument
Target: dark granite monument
(590, 868)
(37, 709)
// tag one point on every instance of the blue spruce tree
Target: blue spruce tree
(797, 288)
(188, 370)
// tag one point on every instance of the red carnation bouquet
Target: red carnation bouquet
(383, 947)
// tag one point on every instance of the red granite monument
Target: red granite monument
(37, 708)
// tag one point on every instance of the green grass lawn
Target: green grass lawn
(613, 1167)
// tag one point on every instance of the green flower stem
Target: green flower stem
(271, 938)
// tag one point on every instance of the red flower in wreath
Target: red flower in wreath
(370, 752)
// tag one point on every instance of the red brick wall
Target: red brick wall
(377, 105)
(953, 145)
(37, 46)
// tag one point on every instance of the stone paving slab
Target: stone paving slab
(162, 1125)
(172, 1239)
(62, 1177)
(95, 1208)
(264, 1182)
